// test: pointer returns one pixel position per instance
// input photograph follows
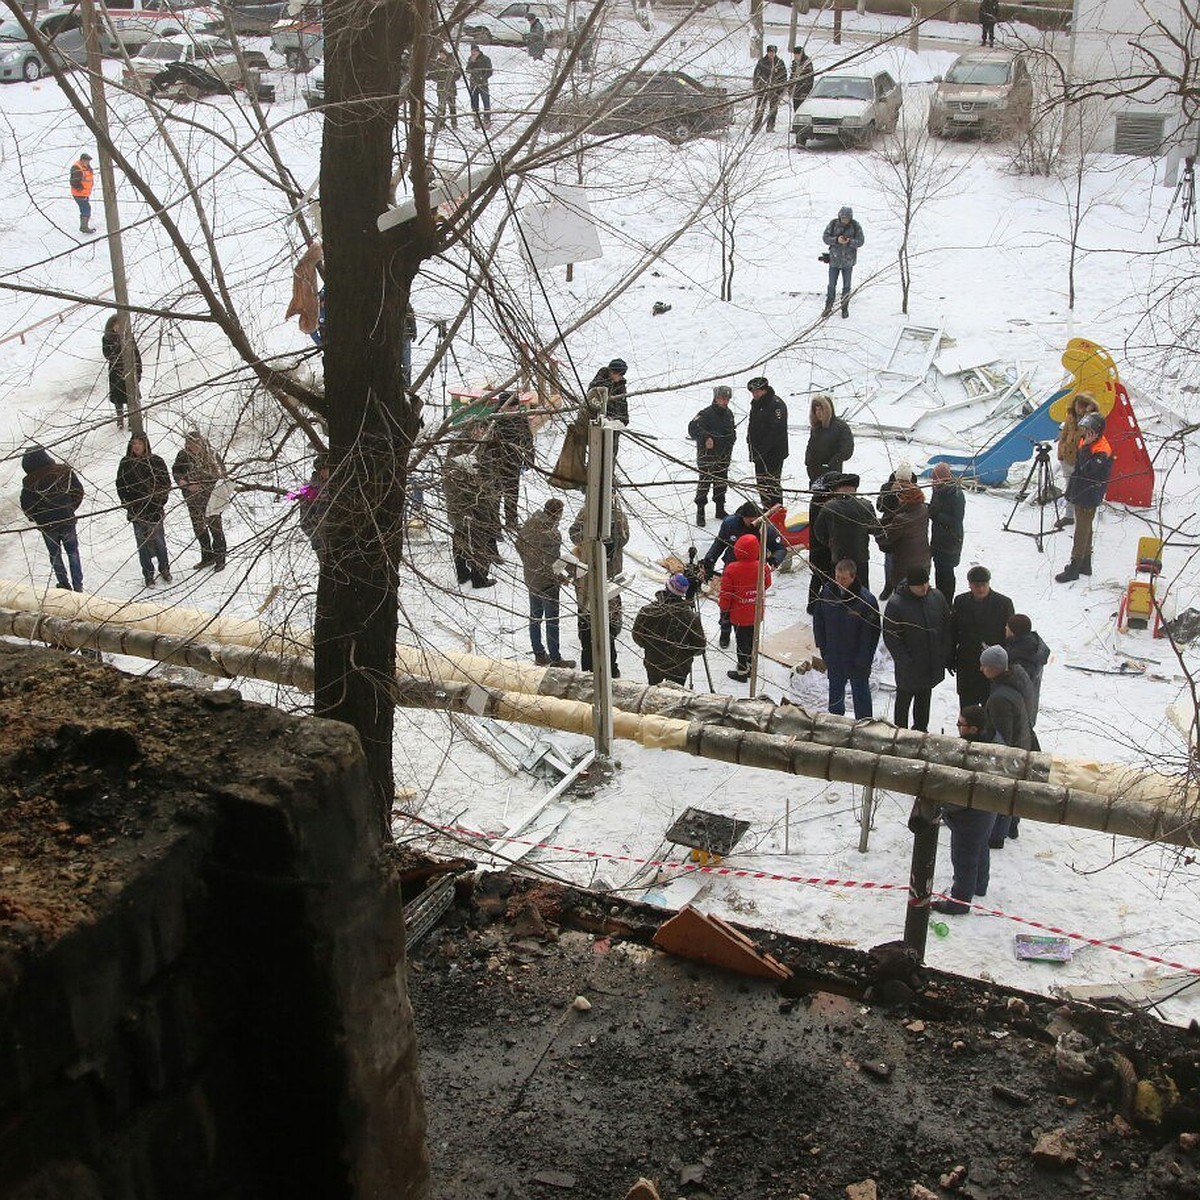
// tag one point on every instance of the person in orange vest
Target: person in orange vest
(1085, 490)
(81, 191)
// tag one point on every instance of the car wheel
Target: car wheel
(678, 130)
(480, 36)
(295, 60)
(868, 136)
(801, 140)
(32, 70)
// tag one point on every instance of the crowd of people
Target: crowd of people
(51, 493)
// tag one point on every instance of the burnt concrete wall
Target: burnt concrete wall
(201, 950)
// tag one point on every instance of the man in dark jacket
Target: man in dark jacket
(844, 237)
(50, 495)
(669, 632)
(713, 432)
(916, 629)
(116, 329)
(989, 14)
(1007, 709)
(1027, 651)
(767, 439)
(535, 38)
(746, 519)
(980, 616)
(1085, 490)
(830, 439)
(947, 510)
(473, 509)
(846, 629)
(539, 546)
(770, 79)
(143, 485)
(970, 828)
(800, 79)
(479, 72)
(845, 525)
(613, 378)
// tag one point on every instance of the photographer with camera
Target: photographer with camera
(843, 235)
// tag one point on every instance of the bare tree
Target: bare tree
(912, 168)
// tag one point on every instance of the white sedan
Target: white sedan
(851, 108)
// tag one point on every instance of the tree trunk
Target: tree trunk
(372, 421)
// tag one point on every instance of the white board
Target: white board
(560, 230)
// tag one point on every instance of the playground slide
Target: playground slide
(990, 466)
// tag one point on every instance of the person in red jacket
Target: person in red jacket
(739, 594)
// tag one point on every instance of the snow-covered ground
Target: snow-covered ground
(990, 255)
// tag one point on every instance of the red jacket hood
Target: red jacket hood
(746, 547)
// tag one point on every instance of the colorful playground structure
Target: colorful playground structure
(1093, 370)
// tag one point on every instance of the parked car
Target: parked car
(137, 22)
(299, 36)
(509, 27)
(989, 91)
(670, 104)
(253, 20)
(19, 58)
(314, 87)
(195, 50)
(849, 107)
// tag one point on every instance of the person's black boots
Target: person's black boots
(700, 515)
(461, 569)
(845, 307)
(1069, 573)
(1085, 565)
(479, 579)
(720, 514)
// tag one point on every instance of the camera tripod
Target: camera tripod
(1044, 493)
(1185, 197)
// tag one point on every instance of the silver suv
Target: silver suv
(989, 91)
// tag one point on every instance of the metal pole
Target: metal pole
(112, 218)
(923, 823)
(868, 811)
(791, 45)
(597, 529)
(756, 29)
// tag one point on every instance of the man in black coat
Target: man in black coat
(1027, 650)
(143, 485)
(770, 79)
(916, 629)
(980, 616)
(800, 79)
(506, 452)
(989, 14)
(713, 432)
(767, 439)
(746, 519)
(479, 73)
(845, 525)
(947, 510)
(50, 495)
(669, 632)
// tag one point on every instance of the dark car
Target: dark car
(670, 104)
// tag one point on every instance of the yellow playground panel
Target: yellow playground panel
(1094, 371)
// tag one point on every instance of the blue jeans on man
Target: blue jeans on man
(544, 606)
(151, 544)
(58, 540)
(860, 689)
(970, 856)
(831, 290)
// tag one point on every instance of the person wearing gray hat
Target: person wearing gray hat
(1008, 711)
(712, 429)
(843, 236)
